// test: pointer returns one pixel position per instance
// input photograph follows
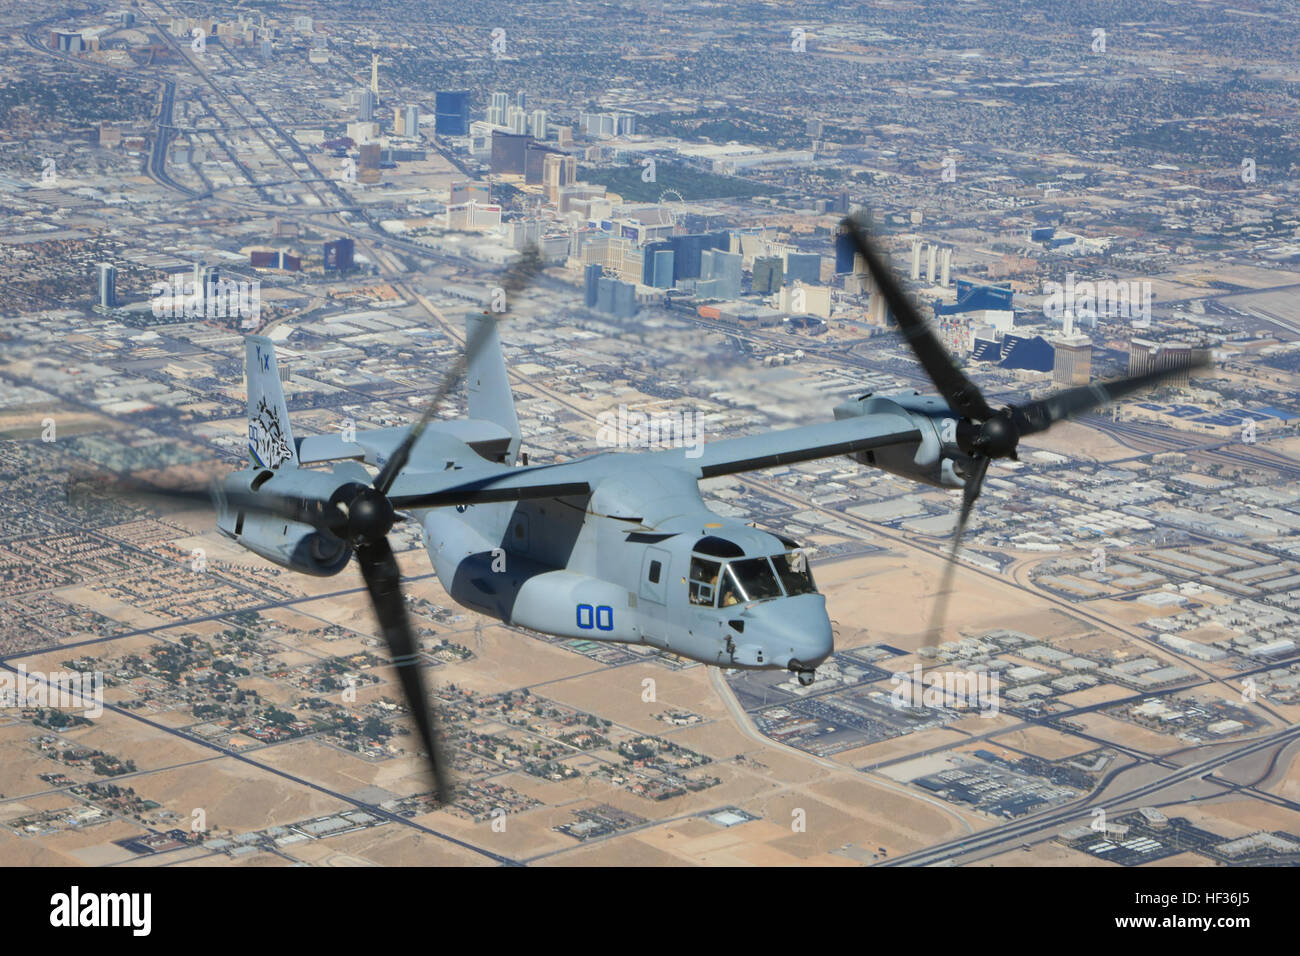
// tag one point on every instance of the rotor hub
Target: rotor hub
(367, 514)
(998, 436)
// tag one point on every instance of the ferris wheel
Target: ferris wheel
(675, 203)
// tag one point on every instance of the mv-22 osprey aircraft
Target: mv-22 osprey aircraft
(616, 546)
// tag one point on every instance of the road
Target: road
(1004, 837)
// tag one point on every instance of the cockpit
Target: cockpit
(721, 575)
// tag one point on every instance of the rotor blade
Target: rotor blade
(316, 512)
(971, 491)
(384, 581)
(959, 391)
(516, 278)
(1039, 415)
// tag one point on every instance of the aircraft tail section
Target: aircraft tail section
(270, 439)
(490, 398)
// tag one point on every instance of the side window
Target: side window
(656, 567)
(704, 580)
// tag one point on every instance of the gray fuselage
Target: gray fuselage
(641, 560)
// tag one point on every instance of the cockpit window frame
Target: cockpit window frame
(728, 584)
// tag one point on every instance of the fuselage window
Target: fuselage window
(655, 568)
(792, 567)
(704, 580)
(756, 580)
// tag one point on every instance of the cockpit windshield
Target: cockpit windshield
(748, 579)
(792, 568)
(755, 577)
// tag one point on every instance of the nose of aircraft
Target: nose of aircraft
(793, 630)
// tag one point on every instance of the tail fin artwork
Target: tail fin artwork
(270, 440)
(489, 382)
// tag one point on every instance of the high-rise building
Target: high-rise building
(509, 153)
(451, 113)
(537, 124)
(624, 300)
(687, 251)
(845, 255)
(1145, 356)
(535, 157)
(659, 268)
(367, 101)
(1072, 361)
(524, 232)
(368, 157)
(339, 254)
(605, 294)
(107, 285)
(719, 274)
(803, 266)
(411, 121)
(521, 99)
(66, 41)
(767, 274)
(474, 215)
(605, 125)
(555, 173)
(374, 75)
(614, 297)
(480, 139)
(516, 120)
(590, 284)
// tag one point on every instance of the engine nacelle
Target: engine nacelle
(936, 459)
(290, 544)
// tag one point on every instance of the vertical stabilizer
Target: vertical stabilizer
(489, 384)
(270, 440)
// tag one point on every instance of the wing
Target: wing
(789, 445)
(376, 445)
(491, 482)
(463, 486)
